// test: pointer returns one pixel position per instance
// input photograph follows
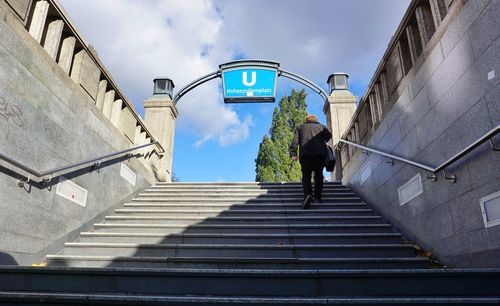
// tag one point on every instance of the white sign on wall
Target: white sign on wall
(72, 191)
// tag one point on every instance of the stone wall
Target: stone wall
(435, 92)
(59, 105)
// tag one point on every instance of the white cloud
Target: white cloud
(140, 40)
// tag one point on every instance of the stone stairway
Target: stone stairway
(243, 243)
(241, 226)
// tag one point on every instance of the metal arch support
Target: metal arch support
(217, 74)
(303, 81)
(184, 90)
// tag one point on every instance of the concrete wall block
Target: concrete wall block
(101, 93)
(414, 113)
(53, 38)
(474, 83)
(456, 251)
(493, 232)
(116, 111)
(15, 243)
(493, 102)
(390, 140)
(485, 29)
(20, 7)
(137, 137)
(66, 54)
(86, 73)
(472, 125)
(31, 221)
(458, 27)
(128, 125)
(466, 210)
(391, 118)
(434, 123)
(432, 61)
(38, 20)
(453, 67)
(385, 171)
(486, 164)
(409, 147)
(394, 70)
(434, 224)
(109, 98)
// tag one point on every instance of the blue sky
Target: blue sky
(138, 40)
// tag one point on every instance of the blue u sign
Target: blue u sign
(249, 85)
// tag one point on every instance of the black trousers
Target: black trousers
(309, 164)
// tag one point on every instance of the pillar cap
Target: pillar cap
(338, 81)
(163, 86)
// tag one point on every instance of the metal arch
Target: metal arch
(263, 63)
(184, 90)
(303, 81)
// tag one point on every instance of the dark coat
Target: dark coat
(311, 137)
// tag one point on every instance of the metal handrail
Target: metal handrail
(488, 136)
(40, 175)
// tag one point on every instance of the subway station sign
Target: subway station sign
(249, 81)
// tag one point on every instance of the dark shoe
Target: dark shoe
(307, 201)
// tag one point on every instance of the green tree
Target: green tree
(273, 163)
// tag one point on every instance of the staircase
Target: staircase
(243, 243)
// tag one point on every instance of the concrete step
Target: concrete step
(236, 263)
(189, 220)
(242, 190)
(244, 228)
(36, 298)
(197, 193)
(276, 239)
(365, 283)
(239, 250)
(243, 206)
(239, 200)
(242, 184)
(243, 212)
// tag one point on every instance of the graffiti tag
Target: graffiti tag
(11, 113)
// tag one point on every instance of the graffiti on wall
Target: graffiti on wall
(11, 113)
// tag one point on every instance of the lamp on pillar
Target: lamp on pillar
(339, 109)
(160, 114)
(338, 81)
(163, 86)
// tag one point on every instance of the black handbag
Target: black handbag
(330, 159)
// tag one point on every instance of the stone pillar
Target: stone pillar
(160, 114)
(38, 20)
(436, 12)
(66, 55)
(137, 138)
(53, 38)
(116, 112)
(109, 98)
(101, 94)
(86, 73)
(339, 109)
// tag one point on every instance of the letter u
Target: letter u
(245, 78)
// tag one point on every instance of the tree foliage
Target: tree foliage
(273, 163)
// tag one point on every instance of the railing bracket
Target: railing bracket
(432, 177)
(47, 180)
(493, 145)
(389, 161)
(452, 178)
(21, 183)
